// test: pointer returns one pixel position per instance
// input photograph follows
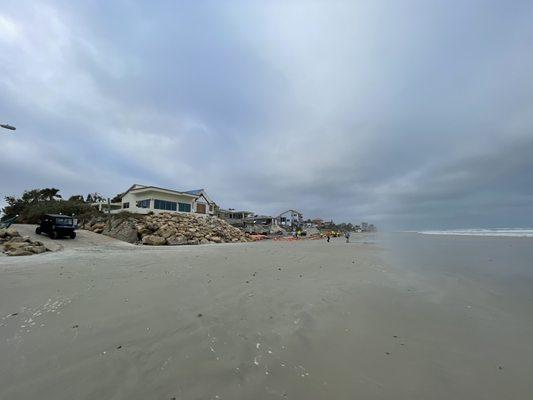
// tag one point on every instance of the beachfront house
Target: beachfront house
(290, 219)
(233, 217)
(263, 224)
(142, 199)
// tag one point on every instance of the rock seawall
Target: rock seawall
(167, 229)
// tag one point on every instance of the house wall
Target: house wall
(209, 204)
(290, 219)
(201, 200)
(133, 197)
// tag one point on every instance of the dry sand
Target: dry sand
(306, 320)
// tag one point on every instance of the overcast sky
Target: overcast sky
(409, 114)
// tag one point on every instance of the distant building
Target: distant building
(290, 219)
(264, 224)
(233, 217)
(318, 222)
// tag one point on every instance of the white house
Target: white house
(290, 218)
(143, 199)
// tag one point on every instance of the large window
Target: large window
(143, 203)
(165, 205)
(184, 207)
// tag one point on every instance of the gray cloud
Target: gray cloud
(414, 114)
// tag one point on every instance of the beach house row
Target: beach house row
(143, 199)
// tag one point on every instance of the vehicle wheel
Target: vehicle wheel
(72, 235)
(38, 230)
(53, 235)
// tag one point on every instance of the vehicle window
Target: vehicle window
(64, 221)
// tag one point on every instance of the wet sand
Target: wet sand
(305, 320)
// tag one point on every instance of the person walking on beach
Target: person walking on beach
(328, 237)
(347, 236)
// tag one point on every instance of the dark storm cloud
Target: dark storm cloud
(411, 115)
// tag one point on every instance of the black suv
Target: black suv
(56, 226)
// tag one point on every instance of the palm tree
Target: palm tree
(50, 194)
(76, 197)
(32, 196)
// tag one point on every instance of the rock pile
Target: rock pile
(119, 227)
(15, 245)
(168, 229)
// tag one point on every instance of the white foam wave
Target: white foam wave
(505, 232)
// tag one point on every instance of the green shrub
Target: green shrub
(34, 203)
(33, 212)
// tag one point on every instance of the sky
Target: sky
(412, 115)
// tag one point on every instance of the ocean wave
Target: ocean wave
(506, 232)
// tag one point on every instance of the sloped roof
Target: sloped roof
(291, 211)
(143, 187)
(196, 192)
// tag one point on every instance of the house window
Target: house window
(164, 205)
(184, 207)
(126, 205)
(143, 203)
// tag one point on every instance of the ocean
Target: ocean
(507, 232)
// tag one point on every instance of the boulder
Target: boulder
(98, 226)
(176, 240)
(166, 231)
(11, 245)
(36, 249)
(11, 231)
(18, 239)
(126, 230)
(3, 233)
(19, 252)
(153, 240)
(142, 230)
(152, 226)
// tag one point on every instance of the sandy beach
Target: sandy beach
(268, 320)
